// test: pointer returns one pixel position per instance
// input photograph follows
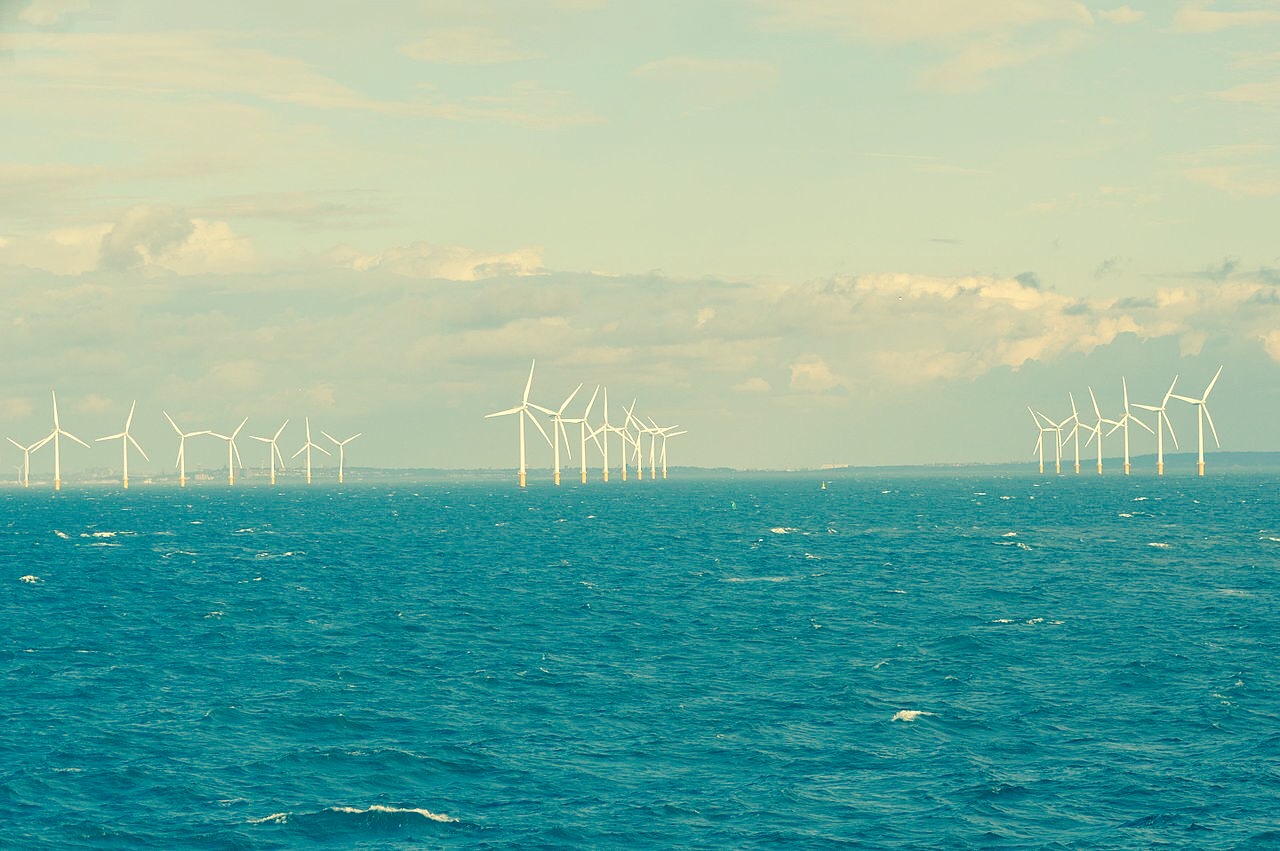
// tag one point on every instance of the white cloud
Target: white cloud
(920, 20)
(1121, 15)
(710, 82)
(464, 46)
(449, 262)
(47, 13)
(754, 384)
(164, 238)
(1197, 17)
(813, 374)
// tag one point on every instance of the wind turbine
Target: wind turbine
(1056, 428)
(1043, 430)
(26, 457)
(182, 448)
(624, 437)
(664, 434)
(1124, 421)
(342, 445)
(125, 439)
(273, 452)
(1162, 417)
(307, 447)
(57, 432)
(1096, 430)
(558, 433)
(604, 445)
(232, 450)
(1202, 413)
(585, 429)
(522, 413)
(1074, 419)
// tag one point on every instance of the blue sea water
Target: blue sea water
(892, 662)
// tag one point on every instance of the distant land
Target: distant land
(1177, 465)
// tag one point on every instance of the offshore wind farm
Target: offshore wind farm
(588, 424)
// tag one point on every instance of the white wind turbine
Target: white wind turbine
(522, 413)
(232, 450)
(1043, 430)
(1202, 414)
(1162, 418)
(558, 434)
(1074, 419)
(585, 430)
(342, 450)
(665, 434)
(624, 437)
(604, 444)
(125, 439)
(656, 431)
(59, 431)
(1124, 421)
(26, 457)
(307, 447)
(1056, 428)
(1095, 432)
(273, 451)
(182, 448)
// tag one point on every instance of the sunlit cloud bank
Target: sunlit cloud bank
(419, 340)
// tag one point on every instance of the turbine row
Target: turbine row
(630, 433)
(1069, 429)
(126, 440)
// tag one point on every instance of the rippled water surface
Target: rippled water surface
(956, 662)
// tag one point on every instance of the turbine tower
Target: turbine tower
(1162, 422)
(665, 434)
(1202, 414)
(125, 439)
(342, 446)
(604, 445)
(558, 434)
(59, 431)
(307, 447)
(522, 413)
(1043, 429)
(182, 448)
(1096, 430)
(273, 451)
(585, 430)
(232, 450)
(26, 457)
(1074, 419)
(1124, 421)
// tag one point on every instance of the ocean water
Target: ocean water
(896, 662)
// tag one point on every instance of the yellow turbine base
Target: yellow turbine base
(182, 481)
(57, 484)
(1160, 469)
(556, 478)
(605, 477)
(584, 477)
(1077, 468)
(1200, 467)
(522, 479)
(126, 483)
(1126, 468)
(1099, 468)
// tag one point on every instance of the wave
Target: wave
(909, 714)
(374, 815)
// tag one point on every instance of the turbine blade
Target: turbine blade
(528, 384)
(237, 431)
(507, 412)
(1209, 389)
(541, 430)
(279, 430)
(171, 422)
(129, 421)
(137, 446)
(1205, 408)
(1095, 403)
(1170, 392)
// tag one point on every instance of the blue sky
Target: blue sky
(807, 231)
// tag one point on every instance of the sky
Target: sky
(807, 232)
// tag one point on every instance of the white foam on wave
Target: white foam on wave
(1158, 545)
(909, 714)
(1271, 538)
(1009, 535)
(30, 578)
(1235, 592)
(757, 579)
(379, 808)
(274, 818)
(782, 530)
(63, 535)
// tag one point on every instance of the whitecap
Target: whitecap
(276, 818)
(781, 530)
(1158, 545)
(1003, 620)
(1034, 621)
(63, 535)
(29, 578)
(1125, 514)
(909, 714)
(379, 808)
(1009, 535)
(757, 579)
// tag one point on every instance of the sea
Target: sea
(908, 661)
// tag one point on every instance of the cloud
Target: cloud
(464, 46)
(50, 13)
(165, 238)
(754, 384)
(813, 375)
(710, 82)
(1121, 15)
(1197, 17)
(450, 262)
(1241, 170)
(920, 20)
